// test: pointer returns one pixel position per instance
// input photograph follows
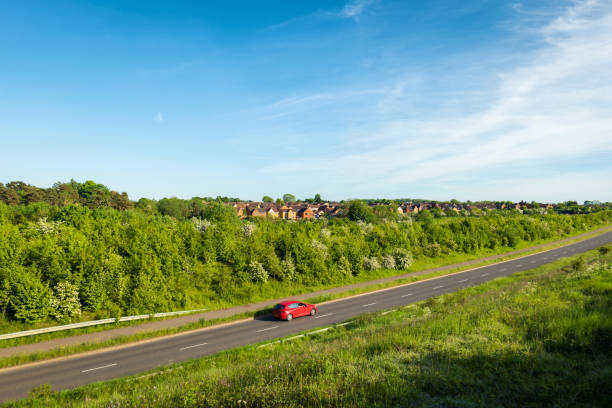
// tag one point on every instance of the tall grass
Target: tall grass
(539, 338)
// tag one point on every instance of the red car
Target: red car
(289, 309)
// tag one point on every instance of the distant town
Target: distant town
(306, 210)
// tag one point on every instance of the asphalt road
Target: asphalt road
(83, 369)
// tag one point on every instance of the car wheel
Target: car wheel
(312, 311)
(289, 317)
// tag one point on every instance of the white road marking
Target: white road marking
(485, 274)
(269, 344)
(503, 269)
(344, 324)
(407, 294)
(325, 315)
(532, 261)
(269, 328)
(438, 287)
(294, 337)
(195, 345)
(545, 258)
(519, 265)
(369, 304)
(99, 368)
(463, 280)
(320, 331)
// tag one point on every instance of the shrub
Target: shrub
(371, 264)
(320, 247)
(344, 266)
(248, 229)
(403, 258)
(201, 224)
(257, 272)
(288, 269)
(65, 302)
(432, 250)
(325, 233)
(47, 227)
(388, 262)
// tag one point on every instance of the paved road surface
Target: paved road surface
(83, 369)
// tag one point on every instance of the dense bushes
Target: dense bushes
(129, 262)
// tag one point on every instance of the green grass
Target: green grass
(367, 276)
(537, 338)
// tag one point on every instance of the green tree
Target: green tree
(267, 199)
(358, 210)
(174, 207)
(289, 198)
(425, 217)
(30, 299)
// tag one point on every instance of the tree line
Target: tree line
(57, 260)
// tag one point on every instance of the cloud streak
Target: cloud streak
(556, 109)
(355, 8)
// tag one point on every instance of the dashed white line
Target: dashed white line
(325, 315)
(438, 287)
(533, 261)
(406, 295)
(195, 345)
(99, 368)
(503, 269)
(462, 280)
(369, 304)
(485, 274)
(269, 328)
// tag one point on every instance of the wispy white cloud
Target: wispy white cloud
(159, 118)
(556, 108)
(351, 10)
(355, 8)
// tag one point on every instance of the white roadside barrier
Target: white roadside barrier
(92, 323)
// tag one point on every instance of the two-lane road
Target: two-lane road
(121, 361)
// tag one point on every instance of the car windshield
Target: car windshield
(279, 307)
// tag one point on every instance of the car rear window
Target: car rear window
(279, 307)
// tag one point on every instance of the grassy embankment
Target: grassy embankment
(421, 264)
(537, 338)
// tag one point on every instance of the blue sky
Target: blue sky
(362, 98)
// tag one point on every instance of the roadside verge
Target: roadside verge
(92, 341)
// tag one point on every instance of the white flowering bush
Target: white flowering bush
(366, 227)
(65, 302)
(344, 266)
(325, 233)
(47, 227)
(403, 258)
(201, 224)
(320, 247)
(288, 269)
(371, 264)
(248, 229)
(257, 272)
(388, 262)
